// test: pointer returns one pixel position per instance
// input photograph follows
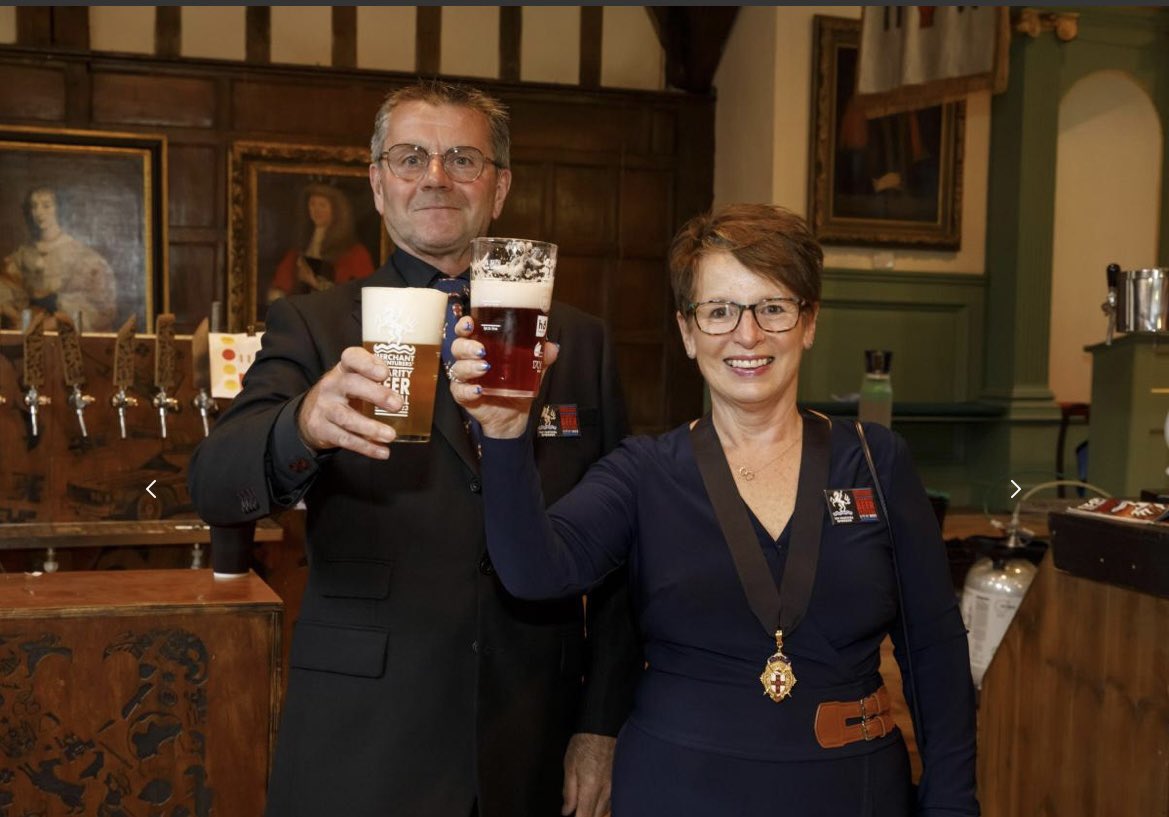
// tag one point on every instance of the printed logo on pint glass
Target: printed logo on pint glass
(399, 357)
(558, 421)
(849, 505)
(541, 325)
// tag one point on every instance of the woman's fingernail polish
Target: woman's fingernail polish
(484, 366)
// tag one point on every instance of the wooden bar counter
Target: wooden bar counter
(1074, 714)
(137, 692)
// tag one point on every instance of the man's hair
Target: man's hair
(769, 240)
(437, 92)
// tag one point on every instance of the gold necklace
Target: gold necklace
(749, 473)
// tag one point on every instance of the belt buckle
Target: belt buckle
(865, 718)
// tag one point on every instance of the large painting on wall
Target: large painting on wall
(892, 180)
(82, 227)
(302, 220)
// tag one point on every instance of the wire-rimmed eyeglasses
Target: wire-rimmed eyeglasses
(410, 162)
(771, 314)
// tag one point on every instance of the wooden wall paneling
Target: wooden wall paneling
(195, 277)
(639, 304)
(582, 280)
(591, 30)
(71, 27)
(510, 36)
(564, 127)
(258, 23)
(78, 94)
(168, 31)
(527, 201)
(641, 367)
(194, 184)
(428, 42)
(344, 36)
(304, 113)
(585, 202)
(647, 213)
(32, 93)
(34, 26)
(160, 99)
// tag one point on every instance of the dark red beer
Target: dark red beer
(514, 338)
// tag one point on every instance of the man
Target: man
(418, 686)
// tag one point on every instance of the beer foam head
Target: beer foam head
(517, 294)
(402, 314)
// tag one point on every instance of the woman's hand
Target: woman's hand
(500, 417)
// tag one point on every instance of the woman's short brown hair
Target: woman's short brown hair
(765, 238)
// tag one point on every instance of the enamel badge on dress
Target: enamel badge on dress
(778, 678)
(847, 506)
(558, 421)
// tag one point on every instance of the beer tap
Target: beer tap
(124, 372)
(201, 376)
(34, 370)
(69, 337)
(164, 369)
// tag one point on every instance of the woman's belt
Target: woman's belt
(839, 723)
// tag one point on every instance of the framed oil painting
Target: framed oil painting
(82, 227)
(302, 220)
(891, 181)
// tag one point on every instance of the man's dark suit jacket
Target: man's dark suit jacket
(417, 682)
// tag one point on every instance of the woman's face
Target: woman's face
(42, 208)
(320, 211)
(747, 366)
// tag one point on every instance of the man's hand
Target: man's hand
(588, 771)
(327, 420)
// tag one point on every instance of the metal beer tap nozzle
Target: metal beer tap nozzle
(165, 369)
(70, 340)
(124, 373)
(203, 402)
(34, 371)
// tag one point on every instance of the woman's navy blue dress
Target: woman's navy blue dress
(702, 738)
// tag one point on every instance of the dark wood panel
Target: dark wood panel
(134, 99)
(194, 187)
(194, 271)
(168, 30)
(34, 26)
(523, 213)
(344, 36)
(641, 298)
(511, 22)
(569, 126)
(71, 27)
(585, 199)
(581, 281)
(258, 34)
(307, 111)
(427, 39)
(591, 32)
(647, 208)
(32, 93)
(640, 366)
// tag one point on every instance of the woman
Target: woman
(57, 272)
(327, 252)
(712, 517)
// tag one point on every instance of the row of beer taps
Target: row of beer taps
(33, 400)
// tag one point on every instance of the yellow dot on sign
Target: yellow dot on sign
(228, 340)
(229, 369)
(231, 385)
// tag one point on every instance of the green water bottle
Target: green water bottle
(876, 400)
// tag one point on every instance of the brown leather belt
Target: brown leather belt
(839, 723)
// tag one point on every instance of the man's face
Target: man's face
(435, 217)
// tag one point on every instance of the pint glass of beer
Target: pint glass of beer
(403, 327)
(511, 293)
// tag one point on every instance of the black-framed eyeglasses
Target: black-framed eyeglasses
(772, 314)
(410, 162)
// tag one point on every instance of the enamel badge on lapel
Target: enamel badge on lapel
(847, 506)
(778, 678)
(558, 421)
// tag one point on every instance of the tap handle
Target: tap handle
(1113, 273)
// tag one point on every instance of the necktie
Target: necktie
(458, 291)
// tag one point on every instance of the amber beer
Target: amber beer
(402, 326)
(511, 294)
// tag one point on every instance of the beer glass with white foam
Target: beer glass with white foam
(402, 326)
(511, 293)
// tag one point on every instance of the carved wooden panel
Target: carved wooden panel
(194, 270)
(195, 178)
(306, 110)
(585, 202)
(581, 281)
(137, 692)
(527, 202)
(134, 99)
(647, 223)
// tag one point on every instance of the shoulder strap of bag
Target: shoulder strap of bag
(774, 607)
(912, 681)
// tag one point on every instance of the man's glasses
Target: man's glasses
(772, 315)
(410, 162)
